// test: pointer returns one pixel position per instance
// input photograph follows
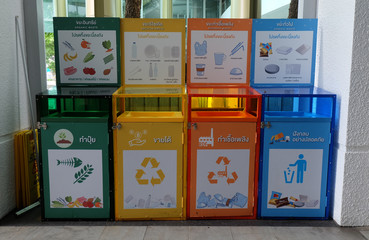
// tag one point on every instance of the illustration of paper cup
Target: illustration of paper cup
(200, 69)
(219, 58)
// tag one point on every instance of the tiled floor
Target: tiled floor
(29, 227)
(178, 233)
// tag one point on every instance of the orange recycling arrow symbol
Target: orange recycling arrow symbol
(222, 174)
(224, 159)
(232, 180)
(141, 172)
(210, 178)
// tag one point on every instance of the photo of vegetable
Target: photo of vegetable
(88, 57)
(89, 71)
(108, 58)
(85, 44)
(107, 45)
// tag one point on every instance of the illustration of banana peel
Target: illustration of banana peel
(75, 204)
(68, 57)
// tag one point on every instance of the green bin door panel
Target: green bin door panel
(75, 164)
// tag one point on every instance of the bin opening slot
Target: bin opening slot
(286, 114)
(87, 114)
(219, 113)
(150, 114)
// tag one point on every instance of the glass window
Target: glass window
(48, 15)
(76, 8)
(199, 8)
(151, 8)
(275, 9)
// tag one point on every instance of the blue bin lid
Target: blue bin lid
(294, 92)
(288, 116)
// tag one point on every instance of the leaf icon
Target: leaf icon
(83, 174)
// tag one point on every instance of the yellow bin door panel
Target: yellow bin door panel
(148, 171)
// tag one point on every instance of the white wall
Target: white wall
(342, 68)
(13, 104)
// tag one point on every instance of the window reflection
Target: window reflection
(76, 8)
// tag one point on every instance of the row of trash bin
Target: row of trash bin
(164, 153)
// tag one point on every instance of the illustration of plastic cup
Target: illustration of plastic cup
(200, 69)
(219, 58)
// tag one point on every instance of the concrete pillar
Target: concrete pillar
(342, 68)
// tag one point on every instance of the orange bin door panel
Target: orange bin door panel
(222, 169)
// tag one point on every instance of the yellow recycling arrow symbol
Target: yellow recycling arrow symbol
(139, 174)
(154, 164)
(145, 162)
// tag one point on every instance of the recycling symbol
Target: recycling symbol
(213, 177)
(142, 180)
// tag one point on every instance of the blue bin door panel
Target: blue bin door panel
(295, 169)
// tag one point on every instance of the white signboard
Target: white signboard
(295, 174)
(219, 57)
(222, 178)
(283, 57)
(153, 58)
(75, 178)
(150, 179)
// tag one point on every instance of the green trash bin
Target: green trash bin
(76, 153)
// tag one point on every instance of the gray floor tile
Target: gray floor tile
(60, 233)
(210, 233)
(365, 233)
(167, 233)
(293, 233)
(26, 233)
(253, 233)
(123, 232)
(8, 232)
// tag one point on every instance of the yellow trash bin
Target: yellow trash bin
(149, 149)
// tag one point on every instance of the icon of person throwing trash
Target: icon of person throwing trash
(301, 168)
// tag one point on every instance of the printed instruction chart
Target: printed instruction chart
(153, 52)
(219, 50)
(87, 51)
(283, 52)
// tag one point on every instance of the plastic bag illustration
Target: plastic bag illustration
(203, 200)
(201, 49)
(238, 200)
